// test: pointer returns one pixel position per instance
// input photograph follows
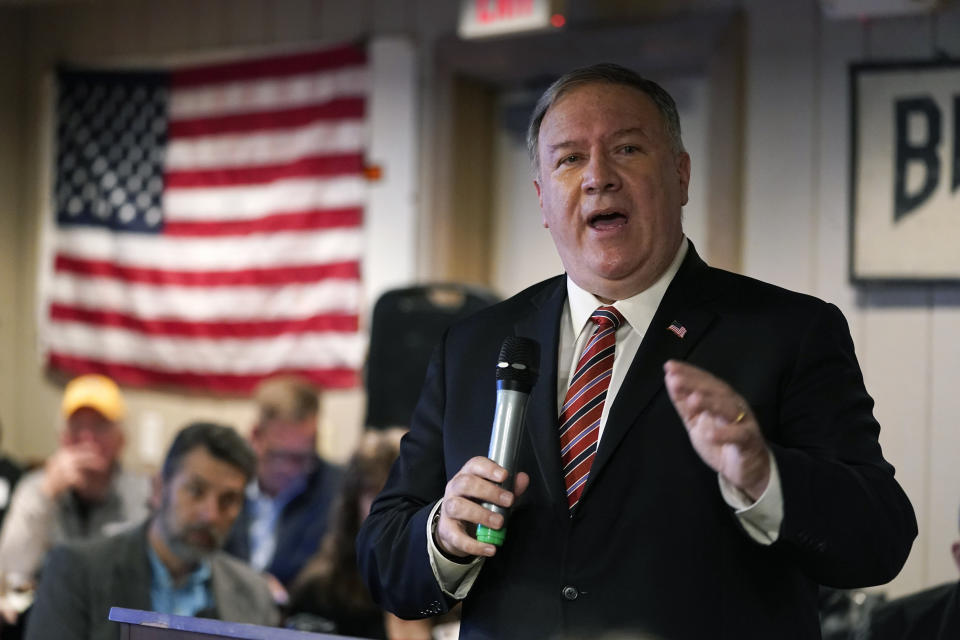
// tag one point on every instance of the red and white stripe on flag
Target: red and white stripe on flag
(240, 257)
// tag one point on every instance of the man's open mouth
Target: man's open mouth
(607, 220)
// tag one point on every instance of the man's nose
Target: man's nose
(600, 174)
(209, 508)
(85, 435)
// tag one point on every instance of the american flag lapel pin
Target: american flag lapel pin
(678, 329)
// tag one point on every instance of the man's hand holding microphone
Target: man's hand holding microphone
(478, 498)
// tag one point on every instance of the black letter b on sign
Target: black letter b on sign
(926, 153)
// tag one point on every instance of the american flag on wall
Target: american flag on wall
(208, 222)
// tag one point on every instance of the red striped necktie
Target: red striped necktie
(583, 404)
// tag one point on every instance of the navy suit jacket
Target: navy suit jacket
(652, 547)
(302, 524)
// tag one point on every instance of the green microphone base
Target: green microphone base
(491, 536)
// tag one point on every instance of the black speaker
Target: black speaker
(405, 327)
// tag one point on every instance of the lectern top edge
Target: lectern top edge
(212, 628)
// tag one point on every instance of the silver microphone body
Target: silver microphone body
(517, 369)
(505, 437)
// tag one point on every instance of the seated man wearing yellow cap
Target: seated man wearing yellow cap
(81, 491)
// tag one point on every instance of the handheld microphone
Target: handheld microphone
(517, 369)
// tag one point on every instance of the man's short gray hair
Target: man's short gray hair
(599, 73)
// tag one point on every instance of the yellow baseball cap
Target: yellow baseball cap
(94, 391)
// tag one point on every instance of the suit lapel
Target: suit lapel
(543, 325)
(131, 585)
(228, 602)
(644, 379)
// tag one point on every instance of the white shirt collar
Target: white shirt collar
(638, 310)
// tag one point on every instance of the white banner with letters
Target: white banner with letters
(905, 160)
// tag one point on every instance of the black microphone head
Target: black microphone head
(519, 363)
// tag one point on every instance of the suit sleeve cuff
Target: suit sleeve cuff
(760, 519)
(455, 578)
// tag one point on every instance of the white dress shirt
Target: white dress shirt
(760, 519)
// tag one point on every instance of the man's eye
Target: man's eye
(570, 159)
(230, 501)
(629, 148)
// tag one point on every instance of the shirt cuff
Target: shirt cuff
(455, 578)
(760, 519)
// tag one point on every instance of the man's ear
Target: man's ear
(683, 175)
(156, 492)
(955, 548)
(543, 219)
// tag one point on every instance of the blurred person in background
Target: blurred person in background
(12, 600)
(173, 562)
(329, 595)
(932, 614)
(81, 491)
(10, 472)
(285, 512)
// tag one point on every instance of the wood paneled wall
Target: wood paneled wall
(12, 139)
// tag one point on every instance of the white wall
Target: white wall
(796, 217)
(523, 252)
(693, 103)
(391, 214)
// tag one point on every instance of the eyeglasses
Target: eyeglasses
(299, 459)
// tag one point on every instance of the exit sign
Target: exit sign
(485, 18)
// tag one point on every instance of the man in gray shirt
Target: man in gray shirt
(81, 491)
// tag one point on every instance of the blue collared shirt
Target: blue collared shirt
(264, 515)
(188, 599)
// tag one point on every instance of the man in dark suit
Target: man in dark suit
(931, 614)
(170, 564)
(727, 465)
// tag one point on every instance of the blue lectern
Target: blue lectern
(148, 625)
